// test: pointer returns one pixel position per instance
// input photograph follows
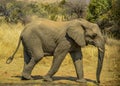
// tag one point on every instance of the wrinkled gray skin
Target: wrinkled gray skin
(49, 38)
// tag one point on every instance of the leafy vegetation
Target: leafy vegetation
(14, 10)
(97, 9)
(116, 11)
(104, 12)
(75, 8)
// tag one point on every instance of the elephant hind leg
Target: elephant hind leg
(27, 59)
(29, 62)
(26, 75)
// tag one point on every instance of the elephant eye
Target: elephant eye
(94, 35)
(91, 36)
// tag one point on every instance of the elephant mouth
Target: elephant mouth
(89, 41)
(92, 42)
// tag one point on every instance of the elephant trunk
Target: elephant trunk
(101, 51)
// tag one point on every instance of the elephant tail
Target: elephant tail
(10, 59)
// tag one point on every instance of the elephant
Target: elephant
(43, 37)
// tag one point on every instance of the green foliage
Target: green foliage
(52, 10)
(11, 10)
(14, 10)
(62, 2)
(75, 8)
(97, 9)
(116, 11)
(107, 14)
(36, 9)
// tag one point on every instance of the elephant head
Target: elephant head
(94, 37)
(83, 33)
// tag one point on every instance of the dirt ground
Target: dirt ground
(10, 75)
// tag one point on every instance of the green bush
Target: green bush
(116, 11)
(11, 10)
(97, 9)
(14, 10)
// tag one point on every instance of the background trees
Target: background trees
(75, 8)
(11, 10)
(98, 9)
(115, 12)
(106, 13)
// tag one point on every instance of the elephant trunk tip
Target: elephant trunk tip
(98, 81)
(9, 60)
(101, 49)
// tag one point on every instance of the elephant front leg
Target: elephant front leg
(78, 63)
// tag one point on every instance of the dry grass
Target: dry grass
(9, 35)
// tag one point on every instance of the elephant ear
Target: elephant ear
(77, 34)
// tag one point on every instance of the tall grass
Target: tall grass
(9, 35)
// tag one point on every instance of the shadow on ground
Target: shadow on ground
(55, 78)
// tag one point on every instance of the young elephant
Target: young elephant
(49, 38)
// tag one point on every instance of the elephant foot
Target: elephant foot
(47, 78)
(98, 81)
(26, 78)
(81, 80)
